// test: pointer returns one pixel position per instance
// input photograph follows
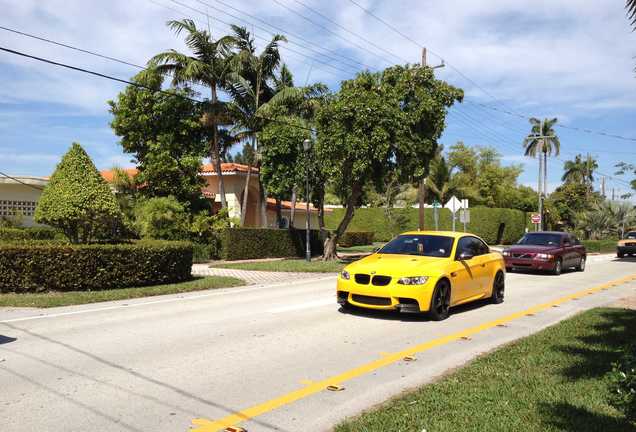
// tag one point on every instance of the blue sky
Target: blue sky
(572, 59)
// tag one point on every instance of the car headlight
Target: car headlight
(505, 253)
(345, 275)
(544, 256)
(413, 280)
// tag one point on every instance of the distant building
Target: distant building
(23, 193)
(19, 196)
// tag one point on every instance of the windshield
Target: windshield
(420, 245)
(541, 239)
(631, 235)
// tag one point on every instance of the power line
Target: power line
(295, 12)
(255, 35)
(350, 62)
(112, 78)
(21, 182)
(335, 59)
(325, 17)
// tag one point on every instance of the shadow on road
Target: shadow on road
(122, 368)
(408, 317)
(6, 339)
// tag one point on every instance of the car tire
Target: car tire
(509, 270)
(581, 266)
(440, 301)
(498, 288)
(558, 267)
(620, 254)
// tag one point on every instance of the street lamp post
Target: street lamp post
(307, 148)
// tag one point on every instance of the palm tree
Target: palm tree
(208, 66)
(440, 183)
(542, 140)
(590, 165)
(251, 85)
(622, 215)
(574, 171)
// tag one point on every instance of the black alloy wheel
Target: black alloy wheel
(498, 288)
(440, 303)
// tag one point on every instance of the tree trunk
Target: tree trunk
(292, 214)
(216, 154)
(421, 197)
(332, 241)
(245, 194)
(279, 214)
(263, 201)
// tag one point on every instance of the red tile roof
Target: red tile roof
(226, 168)
(110, 174)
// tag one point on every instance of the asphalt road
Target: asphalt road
(157, 364)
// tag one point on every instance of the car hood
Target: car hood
(398, 265)
(531, 248)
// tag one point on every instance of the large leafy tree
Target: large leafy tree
(207, 65)
(376, 125)
(630, 5)
(162, 131)
(77, 200)
(544, 141)
(251, 85)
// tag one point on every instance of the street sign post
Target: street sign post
(464, 214)
(535, 218)
(436, 206)
(453, 205)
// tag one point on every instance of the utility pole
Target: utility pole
(421, 193)
(603, 186)
(613, 195)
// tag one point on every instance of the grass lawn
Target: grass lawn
(52, 299)
(361, 249)
(287, 265)
(554, 380)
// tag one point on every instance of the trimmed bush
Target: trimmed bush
(54, 266)
(599, 246)
(356, 238)
(77, 199)
(203, 252)
(492, 224)
(35, 233)
(252, 243)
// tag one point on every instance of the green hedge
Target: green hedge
(252, 243)
(356, 238)
(600, 246)
(387, 223)
(31, 233)
(203, 252)
(55, 266)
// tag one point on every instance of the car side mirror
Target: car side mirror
(465, 256)
(376, 249)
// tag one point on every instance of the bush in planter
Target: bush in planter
(356, 238)
(252, 243)
(77, 200)
(33, 233)
(57, 266)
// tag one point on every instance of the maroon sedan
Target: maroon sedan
(547, 251)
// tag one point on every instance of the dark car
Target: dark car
(626, 246)
(551, 251)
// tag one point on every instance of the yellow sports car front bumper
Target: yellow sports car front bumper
(393, 296)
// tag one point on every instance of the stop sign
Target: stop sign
(535, 218)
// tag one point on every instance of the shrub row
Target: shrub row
(31, 233)
(494, 225)
(252, 243)
(600, 246)
(356, 238)
(54, 266)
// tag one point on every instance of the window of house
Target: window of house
(10, 207)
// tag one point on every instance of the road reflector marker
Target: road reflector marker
(529, 314)
(501, 325)
(409, 358)
(234, 429)
(465, 338)
(555, 306)
(335, 388)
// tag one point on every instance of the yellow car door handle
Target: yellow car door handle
(483, 265)
(453, 274)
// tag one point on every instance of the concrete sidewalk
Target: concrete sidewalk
(252, 277)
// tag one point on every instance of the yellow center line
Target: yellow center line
(312, 387)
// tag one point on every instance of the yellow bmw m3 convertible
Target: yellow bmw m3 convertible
(424, 271)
